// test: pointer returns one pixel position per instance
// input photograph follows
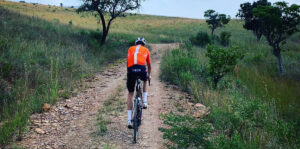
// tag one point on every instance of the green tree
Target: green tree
(112, 8)
(251, 22)
(221, 62)
(278, 22)
(215, 20)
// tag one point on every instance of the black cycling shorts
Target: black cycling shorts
(133, 73)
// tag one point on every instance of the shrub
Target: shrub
(70, 22)
(202, 39)
(186, 132)
(225, 38)
(221, 61)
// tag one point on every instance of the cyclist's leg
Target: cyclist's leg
(145, 89)
(130, 86)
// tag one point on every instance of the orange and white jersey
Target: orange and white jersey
(138, 55)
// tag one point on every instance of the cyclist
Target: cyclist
(137, 57)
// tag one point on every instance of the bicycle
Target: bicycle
(137, 109)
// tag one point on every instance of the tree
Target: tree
(251, 22)
(114, 9)
(61, 4)
(278, 22)
(221, 62)
(215, 20)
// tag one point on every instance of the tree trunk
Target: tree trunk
(103, 38)
(104, 28)
(258, 36)
(277, 53)
(215, 83)
(212, 31)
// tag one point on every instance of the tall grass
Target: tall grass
(41, 61)
(238, 118)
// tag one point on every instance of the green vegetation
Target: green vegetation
(110, 9)
(221, 62)
(253, 107)
(251, 22)
(201, 39)
(215, 20)
(189, 132)
(112, 106)
(278, 22)
(45, 54)
(225, 38)
(155, 29)
(42, 61)
(238, 118)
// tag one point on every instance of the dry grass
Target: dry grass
(139, 25)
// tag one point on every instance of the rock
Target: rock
(190, 104)
(39, 131)
(46, 107)
(199, 105)
(197, 115)
(68, 106)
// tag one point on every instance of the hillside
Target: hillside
(155, 28)
(48, 54)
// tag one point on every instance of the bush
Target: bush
(225, 38)
(221, 61)
(70, 22)
(202, 39)
(186, 132)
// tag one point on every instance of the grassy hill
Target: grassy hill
(46, 51)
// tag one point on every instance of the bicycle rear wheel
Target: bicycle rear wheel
(135, 123)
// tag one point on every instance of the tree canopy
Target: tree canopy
(215, 20)
(252, 22)
(112, 8)
(278, 22)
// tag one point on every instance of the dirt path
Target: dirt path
(74, 123)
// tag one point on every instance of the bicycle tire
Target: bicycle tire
(135, 123)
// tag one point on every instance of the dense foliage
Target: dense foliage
(252, 22)
(278, 22)
(225, 38)
(221, 61)
(215, 20)
(201, 39)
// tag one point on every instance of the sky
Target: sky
(175, 8)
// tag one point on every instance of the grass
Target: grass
(43, 61)
(112, 106)
(46, 51)
(239, 118)
(154, 28)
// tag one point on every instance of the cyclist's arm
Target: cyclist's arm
(149, 63)
(149, 68)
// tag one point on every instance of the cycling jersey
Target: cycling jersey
(138, 55)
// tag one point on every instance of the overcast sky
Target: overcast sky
(177, 8)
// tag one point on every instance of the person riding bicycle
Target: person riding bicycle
(137, 57)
